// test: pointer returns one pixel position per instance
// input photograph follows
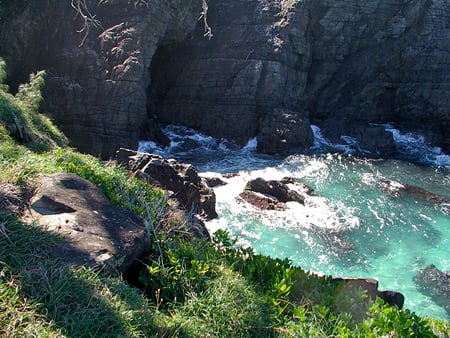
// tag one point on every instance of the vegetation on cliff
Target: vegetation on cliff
(188, 287)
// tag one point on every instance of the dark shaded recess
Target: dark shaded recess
(163, 71)
(166, 64)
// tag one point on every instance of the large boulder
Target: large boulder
(283, 131)
(346, 297)
(181, 179)
(95, 233)
(435, 284)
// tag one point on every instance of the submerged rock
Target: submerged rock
(213, 182)
(95, 233)
(398, 189)
(435, 284)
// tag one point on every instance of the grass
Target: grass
(192, 288)
(43, 298)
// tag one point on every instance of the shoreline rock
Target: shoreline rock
(271, 69)
(179, 179)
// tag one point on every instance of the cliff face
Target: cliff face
(271, 68)
(342, 64)
(97, 90)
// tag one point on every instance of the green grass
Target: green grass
(43, 298)
(191, 288)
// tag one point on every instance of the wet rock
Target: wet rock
(283, 132)
(262, 202)
(435, 284)
(279, 189)
(369, 138)
(213, 182)
(95, 233)
(181, 179)
(398, 189)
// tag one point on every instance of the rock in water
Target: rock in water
(435, 284)
(279, 189)
(95, 233)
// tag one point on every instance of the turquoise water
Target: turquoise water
(357, 224)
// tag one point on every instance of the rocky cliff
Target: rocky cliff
(96, 88)
(340, 64)
(271, 69)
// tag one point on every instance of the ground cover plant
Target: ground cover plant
(188, 287)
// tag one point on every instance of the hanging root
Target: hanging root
(89, 20)
(203, 15)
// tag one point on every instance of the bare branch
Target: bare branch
(136, 3)
(89, 20)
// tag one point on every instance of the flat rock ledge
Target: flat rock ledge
(95, 233)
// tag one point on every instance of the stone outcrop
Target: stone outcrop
(271, 69)
(95, 233)
(180, 179)
(435, 284)
(272, 194)
(283, 131)
(261, 201)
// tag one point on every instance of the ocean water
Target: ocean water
(356, 224)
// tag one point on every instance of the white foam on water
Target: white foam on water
(354, 225)
(323, 144)
(415, 146)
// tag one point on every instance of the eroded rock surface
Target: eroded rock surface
(272, 194)
(179, 178)
(342, 65)
(95, 233)
(96, 85)
(271, 68)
